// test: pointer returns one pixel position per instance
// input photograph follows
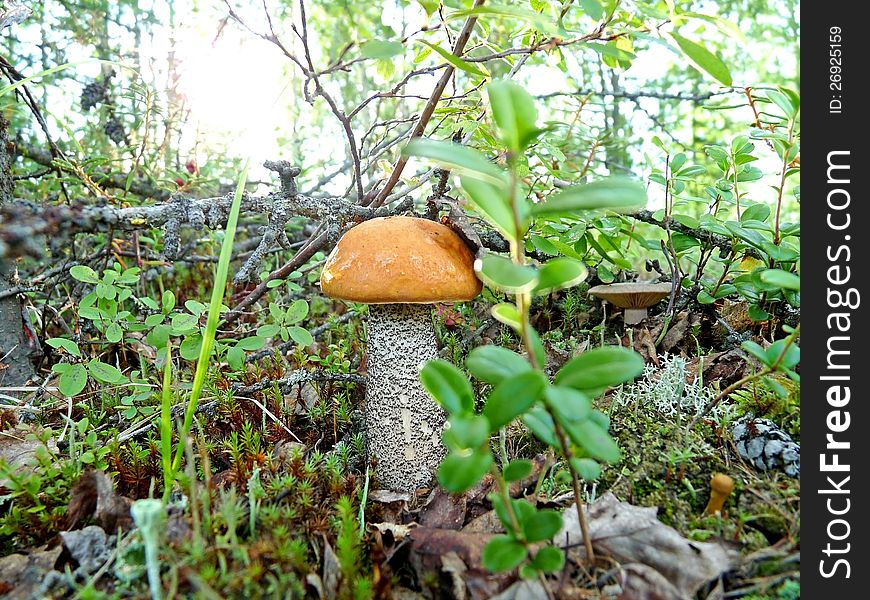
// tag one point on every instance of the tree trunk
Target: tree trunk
(16, 347)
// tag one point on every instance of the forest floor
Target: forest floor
(278, 499)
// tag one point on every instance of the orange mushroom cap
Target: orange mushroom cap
(400, 260)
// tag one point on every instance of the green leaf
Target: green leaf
(68, 345)
(542, 23)
(613, 193)
(560, 273)
(541, 525)
(149, 302)
(448, 386)
(253, 342)
(755, 350)
(300, 335)
(790, 359)
(549, 559)
(491, 202)
(593, 8)
(540, 423)
(381, 49)
(430, 6)
(297, 311)
(236, 358)
(466, 432)
(114, 333)
(158, 336)
(456, 61)
(544, 245)
(508, 314)
(84, 274)
(703, 59)
(594, 439)
(601, 368)
(517, 470)
(457, 158)
(493, 364)
(586, 468)
(781, 279)
(783, 101)
(503, 553)
(190, 347)
(756, 313)
(568, 403)
(513, 110)
(183, 323)
(268, 331)
(459, 472)
(154, 320)
(512, 397)
(73, 380)
(502, 273)
(105, 372)
(167, 300)
(756, 212)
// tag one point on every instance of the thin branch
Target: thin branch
(426, 115)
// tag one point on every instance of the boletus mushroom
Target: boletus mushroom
(635, 298)
(399, 265)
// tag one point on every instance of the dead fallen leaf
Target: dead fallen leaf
(444, 510)
(455, 569)
(644, 344)
(94, 496)
(633, 534)
(331, 571)
(724, 367)
(640, 582)
(398, 532)
(677, 331)
(523, 590)
(18, 451)
(393, 505)
(429, 546)
(488, 522)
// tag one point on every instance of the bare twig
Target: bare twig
(429, 109)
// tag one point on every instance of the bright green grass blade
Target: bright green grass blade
(214, 309)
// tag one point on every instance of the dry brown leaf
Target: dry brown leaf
(331, 571)
(677, 331)
(94, 495)
(523, 590)
(399, 532)
(633, 534)
(444, 510)
(427, 551)
(20, 452)
(640, 582)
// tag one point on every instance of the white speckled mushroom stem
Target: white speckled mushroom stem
(403, 424)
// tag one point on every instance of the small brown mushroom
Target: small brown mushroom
(635, 298)
(720, 487)
(398, 265)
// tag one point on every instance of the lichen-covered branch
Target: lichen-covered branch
(25, 223)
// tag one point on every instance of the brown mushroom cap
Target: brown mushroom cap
(632, 295)
(722, 483)
(399, 260)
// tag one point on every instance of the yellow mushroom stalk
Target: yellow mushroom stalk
(721, 487)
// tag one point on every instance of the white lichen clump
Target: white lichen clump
(665, 390)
